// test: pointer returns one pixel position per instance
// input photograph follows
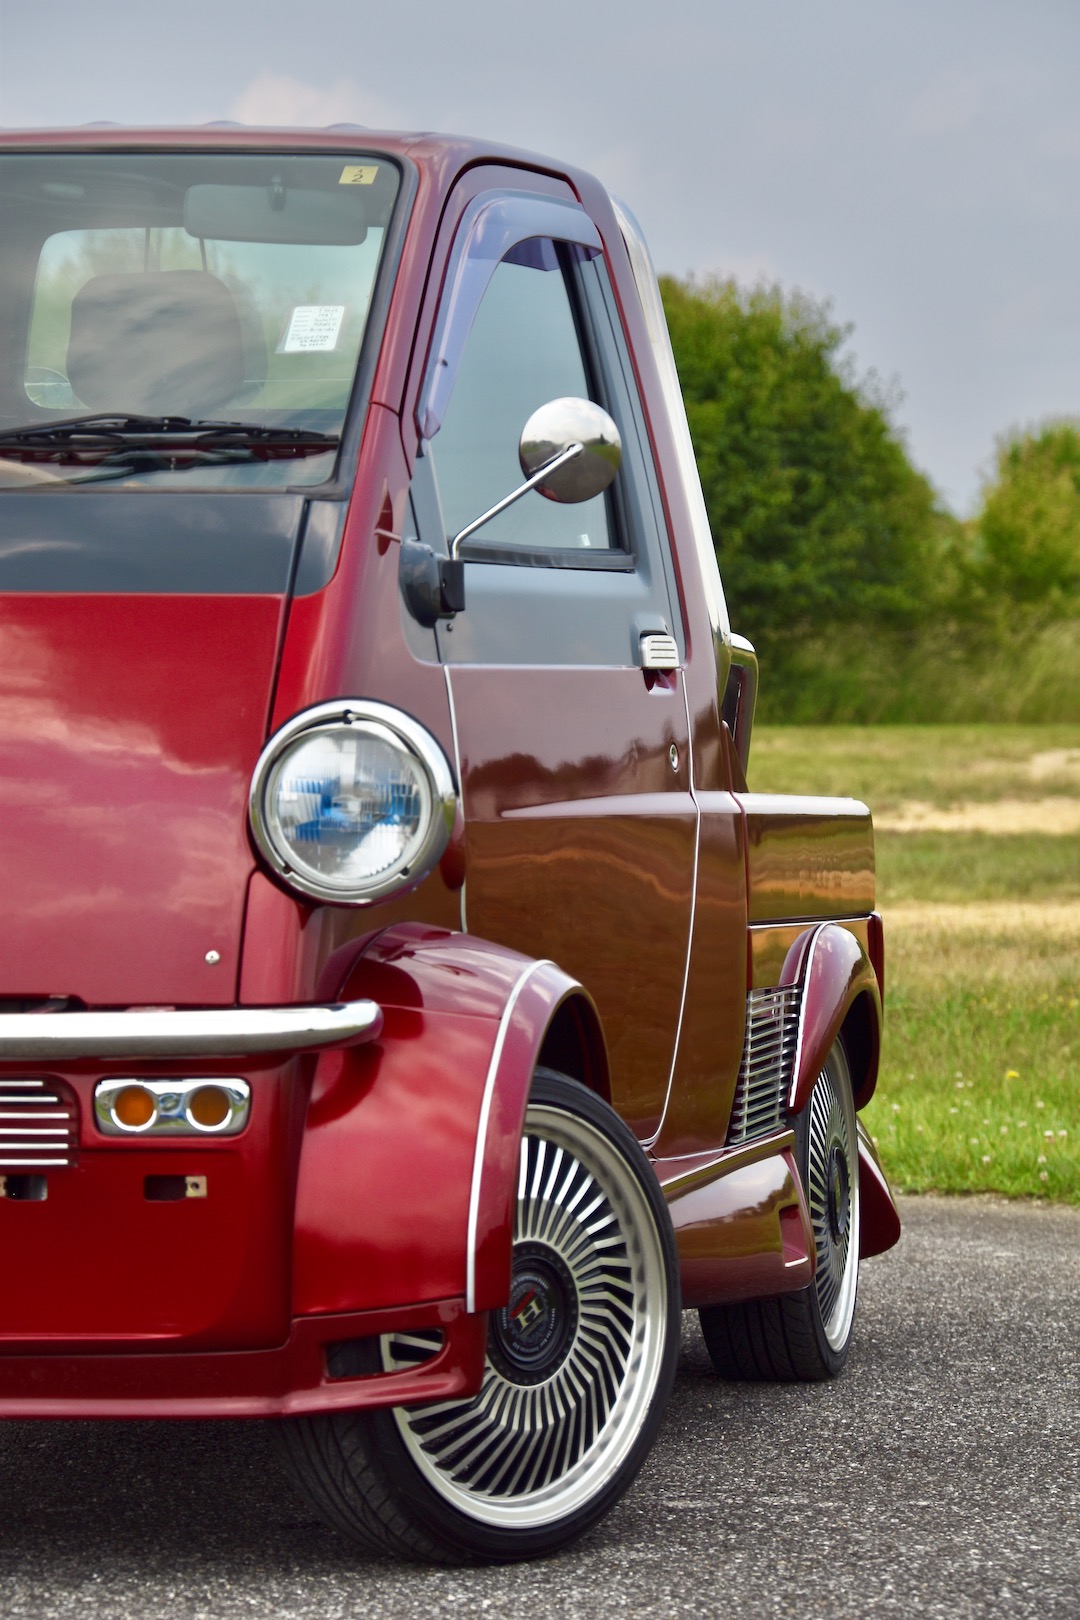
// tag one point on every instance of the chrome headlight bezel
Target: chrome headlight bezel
(389, 726)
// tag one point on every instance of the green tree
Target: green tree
(819, 518)
(1026, 537)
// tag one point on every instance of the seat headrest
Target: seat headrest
(162, 342)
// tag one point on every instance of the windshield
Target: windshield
(145, 296)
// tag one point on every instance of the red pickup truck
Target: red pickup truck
(405, 1008)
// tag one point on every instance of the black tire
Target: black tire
(571, 1400)
(806, 1335)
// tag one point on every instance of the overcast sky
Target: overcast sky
(914, 161)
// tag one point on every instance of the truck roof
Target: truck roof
(425, 147)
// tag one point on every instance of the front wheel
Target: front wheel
(806, 1335)
(579, 1367)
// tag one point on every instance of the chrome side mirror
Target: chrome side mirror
(569, 451)
(549, 435)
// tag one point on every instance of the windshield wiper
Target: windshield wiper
(103, 424)
(91, 438)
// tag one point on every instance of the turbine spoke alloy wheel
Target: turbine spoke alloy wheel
(806, 1334)
(574, 1359)
(832, 1190)
(579, 1367)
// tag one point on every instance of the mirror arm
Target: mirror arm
(434, 586)
(571, 451)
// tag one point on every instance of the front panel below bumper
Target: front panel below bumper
(285, 1382)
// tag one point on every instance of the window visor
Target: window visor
(493, 224)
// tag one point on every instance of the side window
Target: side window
(523, 351)
(539, 321)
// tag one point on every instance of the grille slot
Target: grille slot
(772, 1028)
(39, 1125)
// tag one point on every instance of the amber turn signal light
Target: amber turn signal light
(174, 1105)
(134, 1108)
(209, 1107)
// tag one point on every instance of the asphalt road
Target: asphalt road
(940, 1476)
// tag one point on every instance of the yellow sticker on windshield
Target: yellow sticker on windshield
(359, 174)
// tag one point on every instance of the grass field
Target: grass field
(978, 853)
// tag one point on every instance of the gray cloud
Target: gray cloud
(914, 162)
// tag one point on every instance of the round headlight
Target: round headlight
(351, 801)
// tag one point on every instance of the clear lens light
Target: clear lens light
(349, 806)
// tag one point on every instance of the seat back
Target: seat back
(157, 343)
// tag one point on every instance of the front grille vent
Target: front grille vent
(772, 1028)
(38, 1125)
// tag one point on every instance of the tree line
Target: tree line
(867, 599)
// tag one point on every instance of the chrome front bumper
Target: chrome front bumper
(64, 1037)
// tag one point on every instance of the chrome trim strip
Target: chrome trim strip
(774, 924)
(482, 1128)
(460, 778)
(796, 1062)
(693, 912)
(17, 1155)
(204, 1032)
(42, 1110)
(30, 1130)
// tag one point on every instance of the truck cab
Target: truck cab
(405, 1007)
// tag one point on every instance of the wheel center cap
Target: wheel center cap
(531, 1336)
(839, 1193)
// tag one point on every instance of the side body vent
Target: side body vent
(772, 1028)
(39, 1125)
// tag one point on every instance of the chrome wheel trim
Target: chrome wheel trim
(528, 1453)
(833, 1196)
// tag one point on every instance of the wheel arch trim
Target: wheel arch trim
(840, 996)
(841, 999)
(543, 999)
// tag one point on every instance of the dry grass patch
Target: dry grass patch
(1051, 818)
(889, 766)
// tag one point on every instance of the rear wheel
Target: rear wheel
(579, 1367)
(806, 1335)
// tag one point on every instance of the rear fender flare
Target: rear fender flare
(408, 1167)
(879, 1227)
(840, 995)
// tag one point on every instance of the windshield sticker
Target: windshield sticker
(312, 327)
(359, 174)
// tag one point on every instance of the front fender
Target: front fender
(408, 1166)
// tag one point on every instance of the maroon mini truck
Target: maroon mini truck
(405, 1008)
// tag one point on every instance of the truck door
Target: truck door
(581, 828)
